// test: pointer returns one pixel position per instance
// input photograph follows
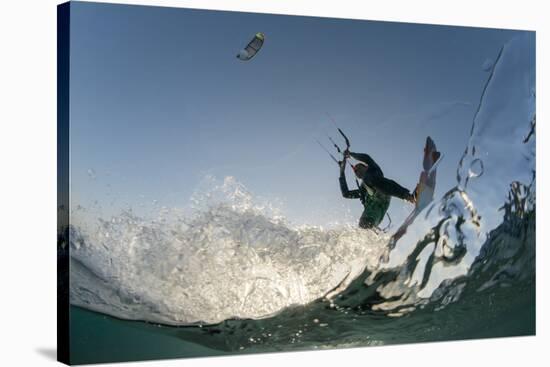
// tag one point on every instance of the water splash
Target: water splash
(231, 258)
(496, 172)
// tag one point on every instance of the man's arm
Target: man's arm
(346, 192)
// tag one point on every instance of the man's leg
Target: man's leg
(390, 187)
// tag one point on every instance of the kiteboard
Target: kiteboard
(425, 188)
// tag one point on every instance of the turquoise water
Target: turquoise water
(97, 338)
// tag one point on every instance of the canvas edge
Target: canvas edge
(63, 75)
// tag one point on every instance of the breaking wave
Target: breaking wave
(495, 192)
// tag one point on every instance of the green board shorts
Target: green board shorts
(376, 206)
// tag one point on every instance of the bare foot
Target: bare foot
(411, 198)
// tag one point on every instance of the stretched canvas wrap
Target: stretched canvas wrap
(236, 183)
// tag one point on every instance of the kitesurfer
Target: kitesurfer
(374, 190)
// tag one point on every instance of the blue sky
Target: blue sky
(158, 99)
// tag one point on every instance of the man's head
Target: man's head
(360, 169)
